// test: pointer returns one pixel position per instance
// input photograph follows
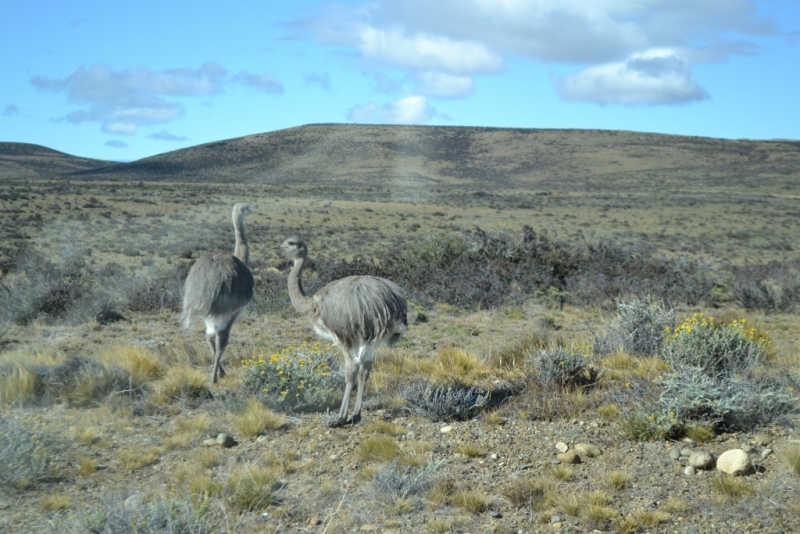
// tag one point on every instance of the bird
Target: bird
(218, 289)
(357, 313)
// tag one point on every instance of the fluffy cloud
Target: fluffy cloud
(266, 83)
(655, 77)
(408, 110)
(164, 135)
(10, 110)
(121, 101)
(116, 143)
(441, 46)
(322, 79)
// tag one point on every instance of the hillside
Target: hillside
(24, 160)
(352, 155)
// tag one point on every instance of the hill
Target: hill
(24, 160)
(352, 155)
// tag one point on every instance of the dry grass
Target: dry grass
(616, 480)
(132, 459)
(379, 426)
(379, 449)
(208, 458)
(792, 455)
(55, 502)
(252, 487)
(469, 501)
(257, 419)
(529, 492)
(730, 486)
(86, 465)
(180, 382)
(700, 433)
(470, 451)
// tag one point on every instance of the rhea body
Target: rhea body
(218, 289)
(357, 313)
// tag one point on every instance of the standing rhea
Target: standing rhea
(357, 313)
(218, 288)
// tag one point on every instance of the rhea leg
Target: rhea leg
(363, 375)
(221, 342)
(350, 374)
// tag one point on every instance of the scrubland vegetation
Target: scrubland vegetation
(538, 317)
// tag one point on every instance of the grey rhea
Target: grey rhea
(218, 289)
(357, 313)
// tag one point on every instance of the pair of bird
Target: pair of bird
(357, 313)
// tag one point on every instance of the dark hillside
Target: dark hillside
(24, 160)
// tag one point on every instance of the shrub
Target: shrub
(301, 379)
(713, 347)
(567, 367)
(640, 325)
(23, 456)
(396, 483)
(439, 403)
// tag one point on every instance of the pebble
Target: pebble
(569, 457)
(747, 448)
(225, 440)
(555, 519)
(766, 452)
(686, 452)
(675, 453)
(556, 525)
(762, 439)
(562, 447)
(689, 471)
(588, 450)
(445, 429)
(701, 460)
(734, 462)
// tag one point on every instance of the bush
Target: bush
(640, 325)
(395, 483)
(715, 348)
(439, 403)
(567, 368)
(23, 456)
(300, 379)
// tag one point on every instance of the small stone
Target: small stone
(747, 448)
(445, 429)
(555, 519)
(556, 525)
(555, 462)
(333, 457)
(210, 442)
(525, 466)
(225, 440)
(675, 453)
(369, 528)
(734, 462)
(569, 457)
(494, 457)
(762, 439)
(495, 514)
(588, 450)
(686, 452)
(313, 521)
(701, 460)
(689, 471)
(766, 452)
(562, 447)
(261, 439)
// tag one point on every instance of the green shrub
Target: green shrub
(440, 403)
(714, 348)
(640, 326)
(301, 379)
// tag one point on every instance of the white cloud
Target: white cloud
(655, 77)
(440, 85)
(164, 135)
(116, 143)
(266, 83)
(121, 101)
(428, 41)
(322, 79)
(408, 110)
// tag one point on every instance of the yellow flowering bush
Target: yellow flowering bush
(728, 348)
(302, 379)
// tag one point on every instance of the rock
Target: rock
(689, 471)
(494, 457)
(225, 440)
(686, 452)
(675, 453)
(588, 450)
(701, 460)
(562, 447)
(555, 519)
(569, 457)
(762, 439)
(369, 528)
(766, 452)
(445, 429)
(313, 521)
(556, 525)
(495, 514)
(210, 442)
(734, 462)
(747, 448)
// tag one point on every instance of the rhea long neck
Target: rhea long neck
(241, 250)
(300, 301)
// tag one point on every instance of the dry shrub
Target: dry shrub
(257, 419)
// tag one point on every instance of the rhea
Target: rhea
(218, 289)
(357, 313)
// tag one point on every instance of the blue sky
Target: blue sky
(125, 80)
